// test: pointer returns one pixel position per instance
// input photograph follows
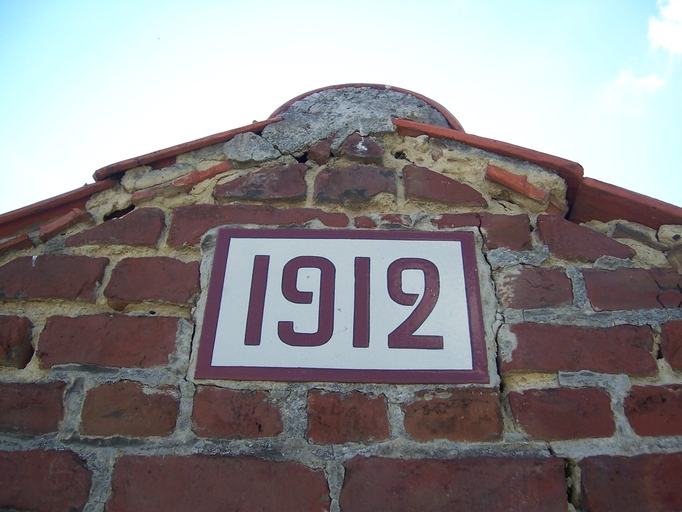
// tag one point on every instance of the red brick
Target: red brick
(573, 242)
(363, 149)
(364, 222)
(180, 185)
(43, 481)
(517, 183)
(671, 343)
(31, 409)
(471, 415)
(193, 178)
(17, 242)
(207, 483)
(155, 279)
(477, 484)
(655, 410)
(397, 220)
(234, 414)
(510, 231)
(125, 409)
(142, 226)
(334, 418)
(422, 183)
(321, 151)
(623, 288)
(191, 222)
(52, 277)
(286, 183)
(536, 288)
(353, 184)
(670, 298)
(550, 348)
(52, 228)
(562, 413)
(15, 341)
(456, 220)
(632, 484)
(108, 340)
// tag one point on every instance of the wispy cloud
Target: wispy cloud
(622, 93)
(665, 30)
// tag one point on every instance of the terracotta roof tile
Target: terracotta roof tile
(602, 201)
(164, 154)
(572, 172)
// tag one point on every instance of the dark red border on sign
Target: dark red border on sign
(479, 373)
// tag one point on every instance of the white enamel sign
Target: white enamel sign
(343, 306)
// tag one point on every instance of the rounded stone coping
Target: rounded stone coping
(452, 120)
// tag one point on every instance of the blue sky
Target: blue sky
(85, 84)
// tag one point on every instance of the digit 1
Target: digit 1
(254, 317)
(361, 303)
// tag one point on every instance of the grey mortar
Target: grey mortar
(342, 112)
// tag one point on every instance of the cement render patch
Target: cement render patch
(341, 112)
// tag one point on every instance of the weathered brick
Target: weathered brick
(321, 151)
(142, 226)
(510, 231)
(424, 184)
(363, 149)
(207, 483)
(671, 343)
(472, 415)
(573, 242)
(52, 277)
(14, 243)
(620, 349)
(456, 220)
(32, 409)
(474, 484)
(15, 341)
(353, 184)
(108, 340)
(655, 410)
(127, 409)
(43, 481)
(536, 288)
(518, 183)
(396, 220)
(562, 413)
(632, 484)
(191, 222)
(286, 183)
(234, 414)
(363, 221)
(334, 418)
(670, 298)
(623, 288)
(155, 279)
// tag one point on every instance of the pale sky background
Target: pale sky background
(87, 83)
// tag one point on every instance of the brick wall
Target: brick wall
(99, 408)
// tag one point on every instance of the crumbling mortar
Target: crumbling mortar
(580, 297)
(616, 385)
(335, 474)
(573, 480)
(581, 318)
(73, 399)
(396, 421)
